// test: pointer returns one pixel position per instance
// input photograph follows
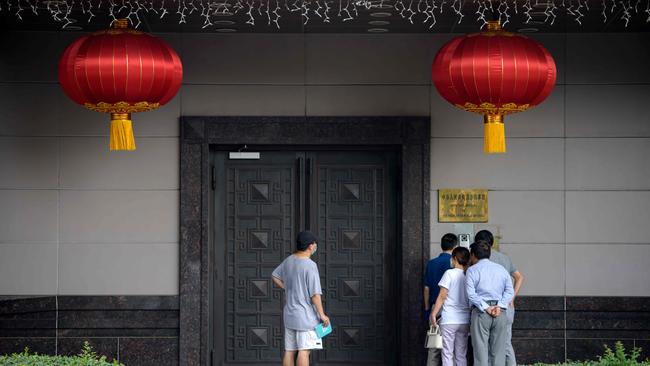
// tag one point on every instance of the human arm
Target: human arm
(426, 298)
(517, 278)
(315, 292)
(426, 292)
(277, 275)
(471, 280)
(278, 282)
(508, 292)
(316, 300)
(518, 282)
(442, 296)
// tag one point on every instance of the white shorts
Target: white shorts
(299, 340)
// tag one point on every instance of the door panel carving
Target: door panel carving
(350, 221)
(259, 217)
(348, 202)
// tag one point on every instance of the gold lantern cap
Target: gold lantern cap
(122, 23)
(494, 25)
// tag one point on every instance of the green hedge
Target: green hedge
(616, 357)
(87, 357)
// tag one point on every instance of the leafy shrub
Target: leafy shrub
(87, 357)
(618, 357)
(615, 357)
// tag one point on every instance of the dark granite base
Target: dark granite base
(608, 304)
(644, 344)
(590, 349)
(544, 332)
(608, 334)
(135, 330)
(45, 346)
(538, 331)
(539, 320)
(530, 350)
(33, 317)
(102, 346)
(144, 330)
(593, 322)
(149, 351)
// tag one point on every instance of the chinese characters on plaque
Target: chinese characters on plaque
(463, 205)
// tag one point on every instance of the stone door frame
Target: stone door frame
(410, 134)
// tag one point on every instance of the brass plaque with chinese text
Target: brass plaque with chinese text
(463, 205)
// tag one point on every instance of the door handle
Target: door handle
(300, 163)
(308, 208)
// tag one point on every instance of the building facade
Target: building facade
(94, 246)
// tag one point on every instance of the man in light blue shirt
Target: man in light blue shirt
(518, 280)
(490, 291)
(303, 310)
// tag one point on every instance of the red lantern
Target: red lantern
(120, 71)
(494, 73)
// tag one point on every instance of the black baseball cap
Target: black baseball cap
(304, 239)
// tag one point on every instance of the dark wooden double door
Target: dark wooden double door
(349, 199)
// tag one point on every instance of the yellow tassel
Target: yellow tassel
(121, 132)
(495, 134)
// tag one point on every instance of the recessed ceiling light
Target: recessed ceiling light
(542, 5)
(226, 30)
(377, 30)
(378, 22)
(381, 15)
(378, 5)
(527, 30)
(223, 22)
(224, 14)
(73, 28)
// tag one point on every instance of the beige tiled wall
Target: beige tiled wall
(75, 218)
(569, 196)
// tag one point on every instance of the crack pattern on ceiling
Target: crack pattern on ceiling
(329, 15)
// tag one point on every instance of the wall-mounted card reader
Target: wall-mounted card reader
(464, 240)
(465, 233)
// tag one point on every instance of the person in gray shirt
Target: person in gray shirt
(518, 280)
(303, 310)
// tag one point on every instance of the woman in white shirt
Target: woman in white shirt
(454, 320)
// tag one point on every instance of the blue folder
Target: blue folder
(322, 332)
